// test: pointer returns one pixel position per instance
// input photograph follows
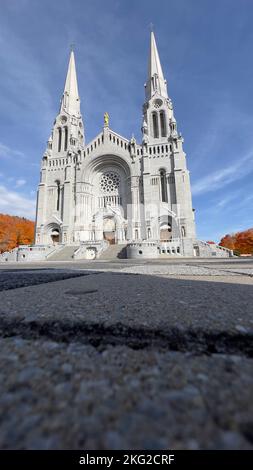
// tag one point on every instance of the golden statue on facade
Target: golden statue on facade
(106, 119)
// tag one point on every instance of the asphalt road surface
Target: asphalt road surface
(127, 355)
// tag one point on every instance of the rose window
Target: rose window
(109, 182)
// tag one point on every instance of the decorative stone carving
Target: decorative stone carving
(109, 182)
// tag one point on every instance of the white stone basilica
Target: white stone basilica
(114, 191)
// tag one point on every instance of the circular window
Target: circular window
(158, 103)
(63, 119)
(109, 182)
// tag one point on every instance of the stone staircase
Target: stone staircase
(64, 254)
(114, 252)
(207, 250)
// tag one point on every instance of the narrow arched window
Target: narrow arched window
(162, 124)
(62, 200)
(183, 231)
(58, 195)
(155, 125)
(59, 139)
(164, 194)
(66, 139)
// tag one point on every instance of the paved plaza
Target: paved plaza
(127, 354)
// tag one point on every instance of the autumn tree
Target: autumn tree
(15, 231)
(242, 242)
(228, 242)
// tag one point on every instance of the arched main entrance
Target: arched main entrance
(108, 182)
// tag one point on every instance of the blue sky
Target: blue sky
(205, 48)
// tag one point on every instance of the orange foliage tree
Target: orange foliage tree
(240, 241)
(15, 231)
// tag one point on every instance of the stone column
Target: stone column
(41, 207)
(68, 205)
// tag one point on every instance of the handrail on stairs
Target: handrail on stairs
(55, 250)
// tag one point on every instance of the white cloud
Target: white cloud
(228, 199)
(7, 152)
(20, 182)
(11, 202)
(220, 178)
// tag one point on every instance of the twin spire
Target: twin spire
(156, 83)
(70, 102)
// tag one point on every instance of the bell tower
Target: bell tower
(56, 190)
(158, 118)
(166, 182)
(68, 131)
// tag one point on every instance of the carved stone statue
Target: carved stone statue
(133, 140)
(144, 132)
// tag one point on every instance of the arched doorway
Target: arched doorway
(53, 233)
(165, 231)
(168, 227)
(55, 236)
(109, 230)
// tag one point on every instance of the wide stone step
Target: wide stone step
(65, 254)
(114, 252)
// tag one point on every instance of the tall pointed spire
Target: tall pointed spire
(156, 81)
(70, 102)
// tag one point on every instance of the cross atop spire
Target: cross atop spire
(70, 102)
(155, 81)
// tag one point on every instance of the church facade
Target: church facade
(113, 190)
